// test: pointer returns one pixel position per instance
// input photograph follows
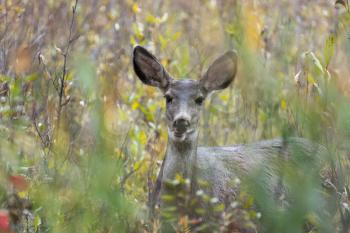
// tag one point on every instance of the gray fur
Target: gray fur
(219, 166)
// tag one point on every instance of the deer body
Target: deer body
(218, 166)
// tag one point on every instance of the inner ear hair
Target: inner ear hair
(148, 69)
(221, 73)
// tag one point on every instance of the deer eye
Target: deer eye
(168, 99)
(199, 100)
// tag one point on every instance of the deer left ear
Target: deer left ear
(221, 73)
(149, 70)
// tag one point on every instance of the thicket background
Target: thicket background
(82, 140)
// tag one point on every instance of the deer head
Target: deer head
(184, 98)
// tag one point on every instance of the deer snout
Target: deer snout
(181, 124)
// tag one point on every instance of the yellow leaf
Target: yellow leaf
(132, 40)
(18, 10)
(311, 80)
(163, 41)
(137, 165)
(143, 138)
(253, 26)
(283, 104)
(23, 194)
(262, 116)
(135, 105)
(224, 97)
(135, 8)
(176, 35)
(164, 62)
(178, 177)
(152, 19)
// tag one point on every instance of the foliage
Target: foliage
(81, 140)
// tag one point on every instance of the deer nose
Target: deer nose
(181, 124)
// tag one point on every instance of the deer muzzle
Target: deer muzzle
(181, 126)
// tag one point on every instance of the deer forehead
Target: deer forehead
(184, 88)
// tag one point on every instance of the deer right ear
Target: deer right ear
(149, 69)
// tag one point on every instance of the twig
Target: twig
(75, 38)
(42, 61)
(154, 187)
(64, 68)
(66, 101)
(38, 132)
(62, 78)
(130, 173)
(123, 146)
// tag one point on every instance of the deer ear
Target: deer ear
(149, 69)
(221, 73)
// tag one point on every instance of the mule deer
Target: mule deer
(184, 102)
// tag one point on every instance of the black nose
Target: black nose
(181, 124)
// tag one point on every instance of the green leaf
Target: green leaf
(316, 61)
(219, 208)
(163, 41)
(170, 209)
(200, 211)
(329, 50)
(168, 198)
(37, 222)
(149, 116)
(31, 77)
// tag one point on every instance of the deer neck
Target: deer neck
(180, 158)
